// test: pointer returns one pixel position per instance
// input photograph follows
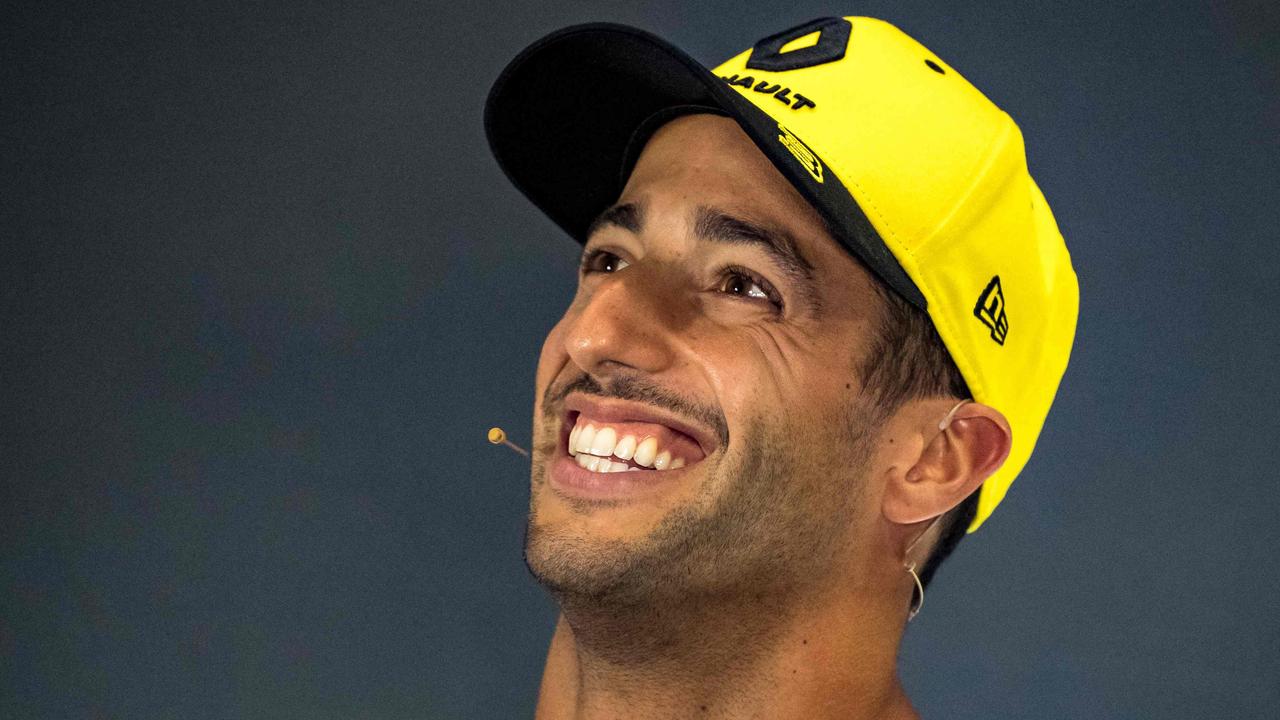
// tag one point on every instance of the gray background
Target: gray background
(263, 290)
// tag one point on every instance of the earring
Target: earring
(917, 595)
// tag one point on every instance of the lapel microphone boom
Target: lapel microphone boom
(498, 436)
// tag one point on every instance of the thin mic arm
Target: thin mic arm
(498, 436)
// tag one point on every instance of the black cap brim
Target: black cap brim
(564, 114)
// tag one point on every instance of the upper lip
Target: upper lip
(612, 410)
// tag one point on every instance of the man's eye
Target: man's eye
(743, 283)
(602, 261)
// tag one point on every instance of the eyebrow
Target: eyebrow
(628, 216)
(718, 226)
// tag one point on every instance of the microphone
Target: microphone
(498, 436)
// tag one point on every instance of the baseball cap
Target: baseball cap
(918, 175)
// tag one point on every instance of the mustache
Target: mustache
(636, 389)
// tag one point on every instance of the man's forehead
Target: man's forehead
(715, 152)
(710, 163)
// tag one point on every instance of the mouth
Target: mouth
(615, 449)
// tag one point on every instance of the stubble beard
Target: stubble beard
(766, 526)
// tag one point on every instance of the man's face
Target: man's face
(709, 354)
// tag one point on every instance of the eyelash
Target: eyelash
(770, 293)
(591, 259)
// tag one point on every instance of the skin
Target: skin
(767, 579)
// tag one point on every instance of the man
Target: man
(788, 383)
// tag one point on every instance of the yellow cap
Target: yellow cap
(920, 176)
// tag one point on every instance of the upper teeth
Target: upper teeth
(593, 446)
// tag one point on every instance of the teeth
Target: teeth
(602, 444)
(662, 461)
(585, 438)
(625, 448)
(645, 452)
(598, 449)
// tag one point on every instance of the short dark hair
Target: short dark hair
(907, 360)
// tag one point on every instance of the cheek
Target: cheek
(551, 360)
(747, 388)
(552, 346)
(761, 373)
(798, 389)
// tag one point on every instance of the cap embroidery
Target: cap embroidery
(990, 310)
(808, 158)
(779, 93)
(833, 39)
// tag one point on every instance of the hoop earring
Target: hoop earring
(910, 567)
(917, 593)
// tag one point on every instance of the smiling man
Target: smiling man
(788, 383)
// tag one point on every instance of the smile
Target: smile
(612, 449)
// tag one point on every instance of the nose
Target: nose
(626, 323)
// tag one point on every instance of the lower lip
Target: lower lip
(572, 480)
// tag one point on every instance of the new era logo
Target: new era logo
(990, 310)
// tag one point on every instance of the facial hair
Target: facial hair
(768, 518)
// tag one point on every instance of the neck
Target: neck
(755, 657)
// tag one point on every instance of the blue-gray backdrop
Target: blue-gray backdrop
(263, 290)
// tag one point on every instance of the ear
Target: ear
(952, 463)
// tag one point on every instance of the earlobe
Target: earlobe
(959, 456)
